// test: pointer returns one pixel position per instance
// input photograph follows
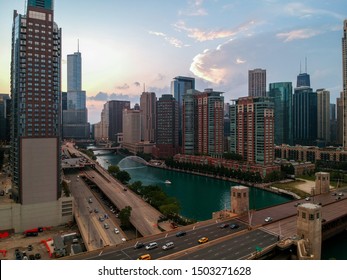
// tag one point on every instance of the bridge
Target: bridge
(105, 149)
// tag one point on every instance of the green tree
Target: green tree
(123, 176)
(113, 169)
(170, 209)
(124, 216)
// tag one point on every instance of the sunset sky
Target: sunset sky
(127, 45)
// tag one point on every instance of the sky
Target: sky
(131, 46)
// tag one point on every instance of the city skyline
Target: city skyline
(147, 44)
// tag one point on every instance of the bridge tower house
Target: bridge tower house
(239, 199)
(322, 184)
(309, 229)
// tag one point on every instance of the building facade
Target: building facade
(344, 82)
(36, 121)
(115, 117)
(252, 129)
(75, 116)
(339, 119)
(179, 87)
(167, 143)
(304, 116)
(282, 96)
(148, 108)
(257, 82)
(323, 116)
(203, 123)
(4, 117)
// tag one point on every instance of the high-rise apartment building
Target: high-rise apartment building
(203, 123)
(179, 87)
(75, 116)
(36, 119)
(344, 81)
(252, 129)
(257, 82)
(282, 96)
(305, 116)
(167, 127)
(132, 126)
(210, 122)
(148, 104)
(323, 116)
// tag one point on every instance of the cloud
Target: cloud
(194, 9)
(201, 35)
(298, 34)
(137, 84)
(101, 96)
(123, 87)
(171, 40)
(159, 90)
(297, 9)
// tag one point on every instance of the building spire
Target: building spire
(78, 45)
(305, 64)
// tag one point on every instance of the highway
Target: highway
(224, 243)
(143, 216)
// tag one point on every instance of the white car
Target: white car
(268, 219)
(116, 230)
(168, 246)
(152, 245)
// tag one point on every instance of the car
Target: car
(145, 257)
(324, 220)
(96, 210)
(31, 257)
(180, 233)
(125, 189)
(116, 231)
(308, 198)
(297, 204)
(2, 193)
(234, 226)
(168, 246)
(268, 219)
(223, 226)
(123, 239)
(30, 247)
(334, 194)
(139, 245)
(338, 198)
(90, 200)
(203, 240)
(340, 194)
(101, 218)
(106, 226)
(37, 256)
(152, 245)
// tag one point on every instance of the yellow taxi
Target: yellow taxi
(145, 257)
(203, 240)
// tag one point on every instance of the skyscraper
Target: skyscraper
(114, 115)
(36, 118)
(323, 115)
(339, 119)
(148, 104)
(167, 127)
(252, 129)
(304, 116)
(257, 82)
(203, 122)
(282, 96)
(4, 120)
(75, 116)
(344, 81)
(179, 87)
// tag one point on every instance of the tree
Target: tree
(170, 209)
(113, 169)
(124, 216)
(123, 176)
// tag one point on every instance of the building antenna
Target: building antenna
(305, 64)
(78, 45)
(300, 66)
(144, 87)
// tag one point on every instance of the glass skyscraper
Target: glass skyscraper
(282, 96)
(179, 87)
(75, 116)
(304, 116)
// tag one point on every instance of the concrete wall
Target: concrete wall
(22, 217)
